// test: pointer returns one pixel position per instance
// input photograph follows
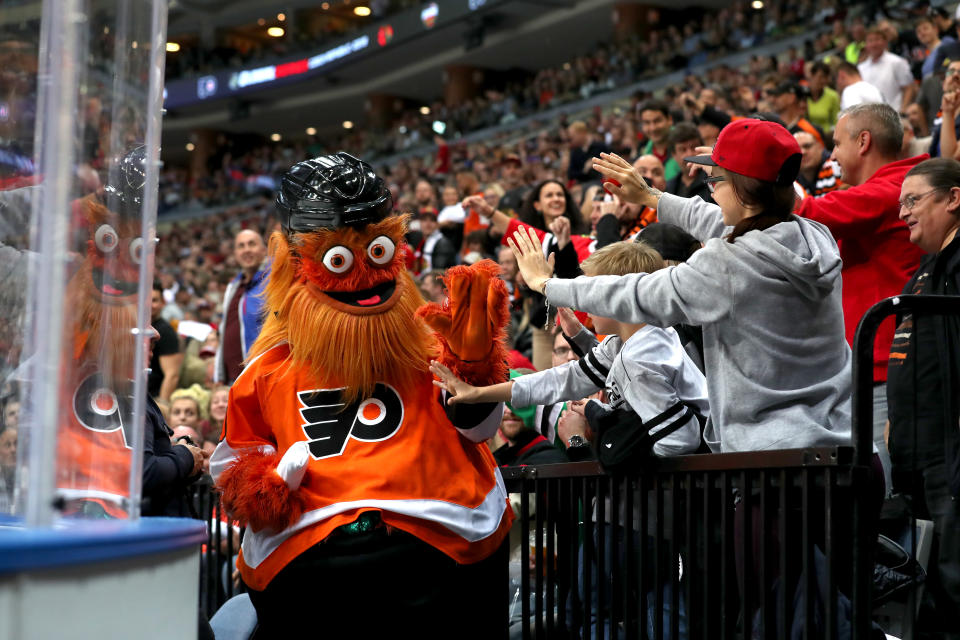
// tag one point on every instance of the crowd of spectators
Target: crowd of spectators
(674, 41)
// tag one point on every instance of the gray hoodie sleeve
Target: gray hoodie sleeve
(570, 381)
(697, 292)
(700, 219)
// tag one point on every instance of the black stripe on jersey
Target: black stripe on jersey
(595, 363)
(597, 380)
(672, 426)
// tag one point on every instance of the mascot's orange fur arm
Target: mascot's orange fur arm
(255, 494)
(471, 326)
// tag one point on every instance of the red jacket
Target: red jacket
(878, 258)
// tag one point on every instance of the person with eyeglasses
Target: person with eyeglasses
(923, 378)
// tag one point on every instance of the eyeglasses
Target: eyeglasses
(911, 201)
(712, 182)
(562, 352)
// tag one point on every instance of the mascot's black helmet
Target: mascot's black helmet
(125, 184)
(329, 192)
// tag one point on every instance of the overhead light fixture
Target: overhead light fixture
(190, 146)
(757, 4)
(311, 131)
(347, 124)
(281, 17)
(361, 11)
(173, 47)
(133, 45)
(261, 22)
(276, 32)
(275, 137)
(325, 6)
(425, 110)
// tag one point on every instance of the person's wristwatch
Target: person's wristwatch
(576, 441)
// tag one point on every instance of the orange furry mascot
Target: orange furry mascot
(363, 491)
(100, 344)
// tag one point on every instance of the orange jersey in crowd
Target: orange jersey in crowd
(396, 453)
(647, 216)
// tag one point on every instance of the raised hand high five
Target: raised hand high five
(629, 185)
(534, 268)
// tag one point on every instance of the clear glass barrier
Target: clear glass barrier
(80, 104)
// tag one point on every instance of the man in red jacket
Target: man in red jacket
(878, 258)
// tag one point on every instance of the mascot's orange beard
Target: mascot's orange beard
(99, 333)
(355, 350)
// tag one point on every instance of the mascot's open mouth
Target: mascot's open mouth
(108, 286)
(372, 297)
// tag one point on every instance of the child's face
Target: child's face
(606, 326)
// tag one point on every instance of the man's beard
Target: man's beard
(355, 351)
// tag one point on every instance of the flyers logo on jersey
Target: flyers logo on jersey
(98, 408)
(329, 424)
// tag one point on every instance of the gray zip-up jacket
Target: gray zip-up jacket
(648, 375)
(778, 365)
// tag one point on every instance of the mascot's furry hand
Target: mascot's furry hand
(255, 493)
(470, 325)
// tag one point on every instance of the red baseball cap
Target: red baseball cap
(756, 149)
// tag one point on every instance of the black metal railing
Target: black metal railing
(772, 544)
(747, 545)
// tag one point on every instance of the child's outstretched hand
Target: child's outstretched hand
(568, 322)
(534, 268)
(457, 390)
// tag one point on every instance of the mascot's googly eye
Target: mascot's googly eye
(106, 238)
(136, 250)
(339, 259)
(381, 250)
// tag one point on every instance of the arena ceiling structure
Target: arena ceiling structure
(402, 54)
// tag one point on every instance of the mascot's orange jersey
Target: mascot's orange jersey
(393, 452)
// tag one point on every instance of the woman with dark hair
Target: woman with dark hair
(549, 209)
(547, 201)
(923, 376)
